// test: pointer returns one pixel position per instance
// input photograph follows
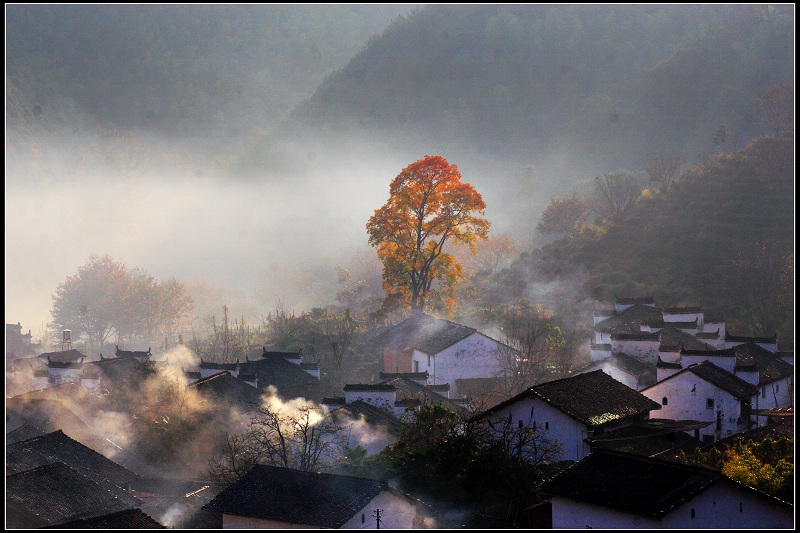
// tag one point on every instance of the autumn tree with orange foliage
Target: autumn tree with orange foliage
(428, 206)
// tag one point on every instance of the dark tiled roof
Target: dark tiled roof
(334, 401)
(708, 371)
(408, 389)
(64, 364)
(770, 368)
(408, 402)
(56, 447)
(290, 380)
(416, 376)
(132, 353)
(671, 336)
(708, 335)
(223, 387)
(51, 415)
(425, 333)
(635, 336)
(649, 438)
(374, 416)
(738, 338)
(296, 497)
(369, 387)
(23, 432)
(644, 372)
(484, 391)
(665, 364)
(663, 324)
(130, 519)
(593, 398)
(683, 310)
(124, 372)
(286, 355)
(631, 483)
(62, 357)
(629, 320)
(710, 352)
(55, 494)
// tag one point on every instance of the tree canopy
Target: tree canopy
(428, 206)
(105, 299)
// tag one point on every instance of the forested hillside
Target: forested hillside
(581, 88)
(721, 236)
(175, 69)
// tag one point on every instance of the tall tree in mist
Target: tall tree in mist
(615, 193)
(562, 215)
(428, 206)
(105, 299)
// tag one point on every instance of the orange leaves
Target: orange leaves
(428, 205)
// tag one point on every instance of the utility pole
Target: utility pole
(377, 515)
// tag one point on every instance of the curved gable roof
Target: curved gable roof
(629, 320)
(593, 398)
(296, 497)
(425, 333)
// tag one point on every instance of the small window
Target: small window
(692, 513)
(763, 392)
(664, 401)
(531, 412)
(709, 403)
(429, 360)
(363, 519)
(777, 387)
(416, 366)
(519, 423)
(547, 425)
(740, 507)
(534, 425)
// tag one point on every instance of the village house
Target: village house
(276, 498)
(705, 392)
(448, 351)
(286, 371)
(636, 327)
(141, 356)
(572, 409)
(398, 393)
(19, 344)
(616, 490)
(226, 389)
(665, 439)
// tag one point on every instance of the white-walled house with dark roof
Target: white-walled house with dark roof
(276, 498)
(570, 410)
(616, 490)
(705, 392)
(447, 351)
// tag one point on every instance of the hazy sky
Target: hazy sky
(277, 236)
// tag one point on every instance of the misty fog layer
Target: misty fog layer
(248, 146)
